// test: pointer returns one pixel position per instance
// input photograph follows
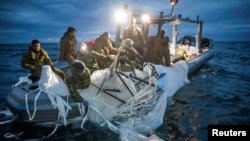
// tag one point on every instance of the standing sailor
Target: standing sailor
(136, 35)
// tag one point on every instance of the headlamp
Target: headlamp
(83, 47)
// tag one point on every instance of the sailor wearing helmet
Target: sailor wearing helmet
(129, 58)
(77, 77)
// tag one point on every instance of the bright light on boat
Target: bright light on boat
(83, 47)
(145, 18)
(120, 16)
(173, 2)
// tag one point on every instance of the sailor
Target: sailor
(164, 39)
(157, 52)
(90, 58)
(103, 45)
(77, 77)
(136, 35)
(129, 58)
(68, 46)
(187, 42)
(35, 58)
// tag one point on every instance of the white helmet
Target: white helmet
(83, 47)
(128, 42)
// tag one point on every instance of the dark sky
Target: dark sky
(24, 20)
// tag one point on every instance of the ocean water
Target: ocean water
(219, 93)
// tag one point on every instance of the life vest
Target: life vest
(181, 52)
(184, 54)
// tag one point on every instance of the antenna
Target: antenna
(173, 3)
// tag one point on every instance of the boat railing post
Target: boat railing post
(174, 36)
(117, 37)
(198, 36)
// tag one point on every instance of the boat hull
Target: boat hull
(44, 111)
(197, 62)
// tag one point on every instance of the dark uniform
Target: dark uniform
(157, 52)
(34, 60)
(77, 77)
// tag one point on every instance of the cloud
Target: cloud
(48, 20)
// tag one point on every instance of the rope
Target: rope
(27, 103)
(81, 107)
(85, 117)
(9, 117)
(53, 132)
(17, 136)
(13, 136)
(21, 80)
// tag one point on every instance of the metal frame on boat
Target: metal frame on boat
(199, 51)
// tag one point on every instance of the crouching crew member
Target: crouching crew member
(77, 77)
(129, 58)
(90, 58)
